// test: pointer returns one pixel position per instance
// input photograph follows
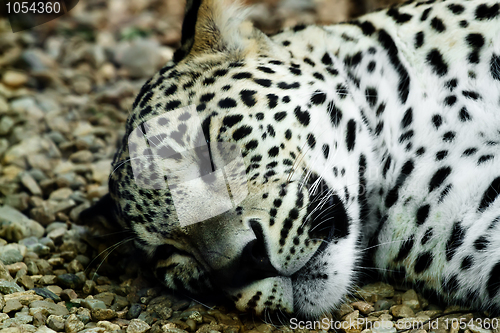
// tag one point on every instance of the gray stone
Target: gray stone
(101, 171)
(137, 326)
(57, 234)
(4, 273)
(24, 297)
(30, 183)
(93, 304)
(70, 281)
(18, 201)
(410, 299)
(51, 308)
(44, 329)
(134, 311)
(56, 323)
(8, 287)
(6, 124)
(402, 311)
(82, 156)
(45, 293)
(23, 318)
(15, 226)
(61, 194)
(73, 324)
(140, 57)
(11, 256)
(103, 314)
(12, 305)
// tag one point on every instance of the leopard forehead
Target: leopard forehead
(363, 135)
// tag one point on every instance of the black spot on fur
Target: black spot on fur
(263, 82)
(450, 284)
(450, 100)
(437, 24)
(469, 151)
(362, 192)
(392, 51)
(440, 155)
(227, 103)
(463, 115)
(437, 121)
(326, 60)
(439, 177)
(230, 121)
(471, 94)
(252, 144)
(311, 140)
(371, 96)
(435, 59)
(393, 194)
(481, 243)
(248, 97)
(272, 101)
(425, 14)
(351, 134)
(449, 136)
(318, 97)
(407, 118)
(398, 17)
(406, 136)
(456, 9)
(423, 262)
(422, 214)
(205, 98)
(467, 262)
(242, 75)
(273, 152)
(170, 90)
(302, 116)
(419, 39)
(286, 86)
(484, 158)
(484, 12)
(326, 150)
(404, 250)
(266, 69)
(279, 116)
(456, 239)
(495, 67)
(242, 132)
(335, 114)
(427, 235)
(493, 284)
(490, 195)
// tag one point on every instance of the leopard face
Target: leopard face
(269, 167)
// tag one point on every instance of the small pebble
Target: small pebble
(402, 311)
(70, 281)
(137, 326)
(56, 323)
(46, 293)
(73, 324)
(12, 305)
(14, 79)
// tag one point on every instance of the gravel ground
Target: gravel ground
(65, 92)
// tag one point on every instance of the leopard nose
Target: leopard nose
(254, 264)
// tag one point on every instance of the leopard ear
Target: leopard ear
(215, 27)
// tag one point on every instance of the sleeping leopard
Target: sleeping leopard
(274, 167)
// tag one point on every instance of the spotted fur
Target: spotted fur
(377, 138)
